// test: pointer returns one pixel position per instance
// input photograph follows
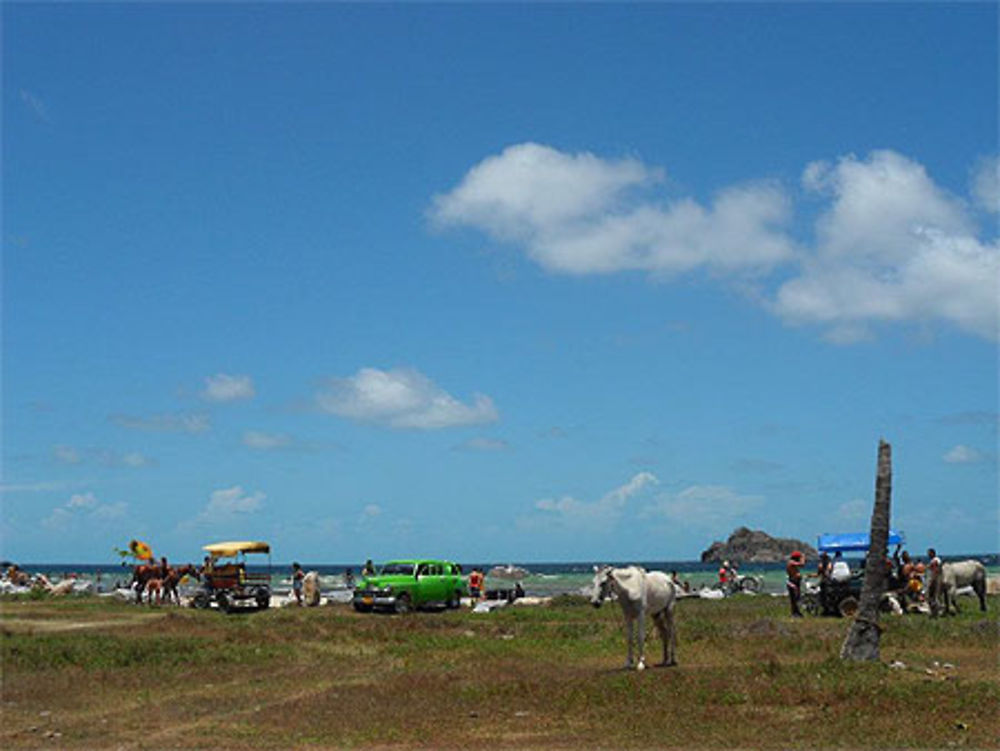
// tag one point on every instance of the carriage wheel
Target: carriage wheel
(263, 598)
(750, 584)
(201, 601)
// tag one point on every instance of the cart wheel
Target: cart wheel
(751, 584)
(263, 598)
(201, 601)
(848, 607)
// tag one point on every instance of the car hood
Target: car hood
(390, 580)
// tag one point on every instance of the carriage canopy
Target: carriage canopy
(227, 549)
(846, 542)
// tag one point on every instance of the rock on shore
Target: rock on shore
(753, 546)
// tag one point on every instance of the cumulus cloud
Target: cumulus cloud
(227, 504)
(228, 388)
(607, 509)
(581, 214)
(83, 507)
(986, 184)
(401, 398)
(893, 247)
(164, 423)
(261, 441)
(703, 505)
(962, 454)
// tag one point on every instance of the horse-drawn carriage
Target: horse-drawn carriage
(226, 581)
(841, 597)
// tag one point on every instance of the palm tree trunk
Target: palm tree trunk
(863, 637)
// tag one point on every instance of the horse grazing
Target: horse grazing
(954, 576)
(640, 592)
(173, 578)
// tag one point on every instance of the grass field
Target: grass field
(83, 673)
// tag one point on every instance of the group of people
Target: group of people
(910, 580)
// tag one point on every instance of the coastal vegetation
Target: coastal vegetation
(90, 673)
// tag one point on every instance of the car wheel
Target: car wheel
(848, 607)
(751, 584)
(201, 601)
(455, 601)
(403, 604)
(224, 603)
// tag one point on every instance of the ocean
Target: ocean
(543, 579)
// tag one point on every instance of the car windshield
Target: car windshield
(398, 568)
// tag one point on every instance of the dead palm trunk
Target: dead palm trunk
(862, 638)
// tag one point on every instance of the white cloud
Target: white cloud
(82, 507)
(482, 443)
(36, 105)
(703, 505)
(164, 423)
(580, 214)
(606, 510)
(986, 184)
(82, 500)
(854, 510)
(66, 454)
(962, 454)
(230, 501)
(893, 247)
(30, 487)
(401, 398)
(228, 388)
(261, 441)
(73, 455)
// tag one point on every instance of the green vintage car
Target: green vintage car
(404, 585)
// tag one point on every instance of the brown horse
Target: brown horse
(173, 578)
(147, 577)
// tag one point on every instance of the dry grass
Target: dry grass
(105, 675)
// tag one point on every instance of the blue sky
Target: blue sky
(565, 282)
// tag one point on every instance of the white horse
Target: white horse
(954, 576)
(640, 592)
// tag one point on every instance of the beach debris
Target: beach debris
(948, 666)
(897, 665)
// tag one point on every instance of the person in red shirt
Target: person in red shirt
(476, 584)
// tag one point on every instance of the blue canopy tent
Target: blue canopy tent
(846, 542)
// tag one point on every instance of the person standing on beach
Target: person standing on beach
(297, 577)
(794, 583)
(369, 569)
(933, 580)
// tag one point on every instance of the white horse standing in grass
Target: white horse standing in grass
(640, 593)
(954, 576)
